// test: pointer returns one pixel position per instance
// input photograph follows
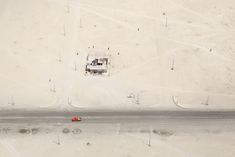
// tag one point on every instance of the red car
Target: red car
(76, 119)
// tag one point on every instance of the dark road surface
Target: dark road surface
(120, 122)
(114, 117)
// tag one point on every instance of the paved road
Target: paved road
(119, 122)
(114, 116)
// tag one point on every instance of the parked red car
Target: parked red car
(76, 119)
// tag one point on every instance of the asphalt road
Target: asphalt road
(114, 116)
(120, 121)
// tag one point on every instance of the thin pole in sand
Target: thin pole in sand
(166, 22)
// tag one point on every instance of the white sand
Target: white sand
(106, 142)
(40, 68)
